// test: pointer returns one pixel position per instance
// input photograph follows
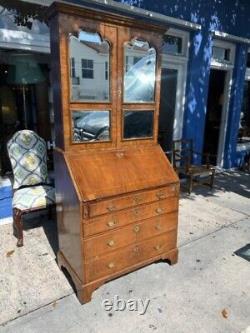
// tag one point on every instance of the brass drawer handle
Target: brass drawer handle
(111, 243)
(112, 223)
(159, 210)
(158, 247)
(161, 195)
(158, 227)
(111, 265)
(111, 208)
(136, 228)
(136, 211)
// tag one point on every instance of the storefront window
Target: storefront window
(244, 127)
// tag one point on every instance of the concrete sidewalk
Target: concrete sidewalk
(207, 291)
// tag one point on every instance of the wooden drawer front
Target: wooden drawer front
(129, 256)
(113, 205)
(111, 221)
(96, 246)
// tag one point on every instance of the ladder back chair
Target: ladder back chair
(182, 159)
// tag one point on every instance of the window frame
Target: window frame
(87, 68)
(242, 146)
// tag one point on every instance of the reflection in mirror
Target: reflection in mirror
(139, 72)
(138, 124)
(89, 67)
(90, 126)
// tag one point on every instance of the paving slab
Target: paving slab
(29, 276)
(207, 291)
(199, 216)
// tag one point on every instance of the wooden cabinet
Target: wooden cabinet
(117, 194)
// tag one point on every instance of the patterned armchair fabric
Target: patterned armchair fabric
(35, 197)
(28, 156)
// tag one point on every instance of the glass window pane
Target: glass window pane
(139, 72)
(89, 67)
(172, 44)
(244, 127)
(138, 124)
(248, 60)
(220, 53)
(90, 126)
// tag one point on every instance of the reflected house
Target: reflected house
(89, 70)
(205, 88)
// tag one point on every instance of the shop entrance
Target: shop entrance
(215, 116)
(24, 97)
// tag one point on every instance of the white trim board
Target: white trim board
(231, 38)
(110, 4)
(14, 39)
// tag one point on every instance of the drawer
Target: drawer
(135, 199)
(124, 258)
(110, 241)
(118, 219)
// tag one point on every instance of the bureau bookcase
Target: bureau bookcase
(117, 194)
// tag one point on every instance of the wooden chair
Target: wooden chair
(32, 191)
(182, 159)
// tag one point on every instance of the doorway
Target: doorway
(169, 81)
(215, 123)
(24, 97)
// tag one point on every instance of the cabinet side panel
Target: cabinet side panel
(68, 215)
(56, 79)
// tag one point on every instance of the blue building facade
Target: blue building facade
(228, 20)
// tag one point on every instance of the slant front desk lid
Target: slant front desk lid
(101, 174)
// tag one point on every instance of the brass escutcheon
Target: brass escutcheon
(136, 249)
(111, 208)
(136, 228)
(158, 227)
(137, 199)
(161, 195)
(136, 211)
(158, 247)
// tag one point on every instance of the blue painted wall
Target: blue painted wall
(230, 16)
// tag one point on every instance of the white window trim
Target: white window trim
(228, 67)
(224, 65)
(184, 35)
(244, 146)
(20, 40)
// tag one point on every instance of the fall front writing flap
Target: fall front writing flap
(100, 174)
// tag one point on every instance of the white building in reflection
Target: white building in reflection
(89, 69)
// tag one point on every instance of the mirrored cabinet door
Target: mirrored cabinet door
(89, 57)
(138, 124)
(139, 72)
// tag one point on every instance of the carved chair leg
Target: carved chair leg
(18, 226)
(212, 180)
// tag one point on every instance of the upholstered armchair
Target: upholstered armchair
(32, 191)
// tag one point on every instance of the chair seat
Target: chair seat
(35, 197)
(197, 170)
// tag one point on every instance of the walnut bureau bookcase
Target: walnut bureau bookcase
(117, 194)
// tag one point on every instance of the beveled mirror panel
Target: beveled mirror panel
(139, 72)
(90, 126)
(89, 67)
(138, 124)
